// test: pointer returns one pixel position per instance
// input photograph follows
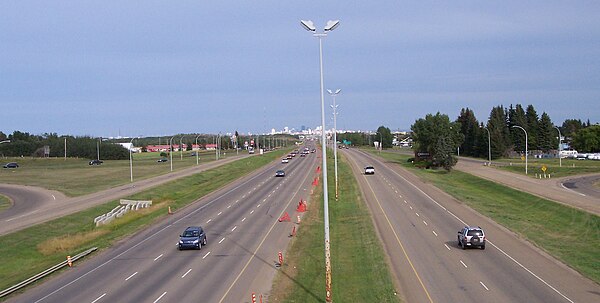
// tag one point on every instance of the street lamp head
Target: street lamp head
(308, 25)
(331, 25)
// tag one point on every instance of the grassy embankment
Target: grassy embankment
(74, 177)
(571, 235)
(32, 250)
(359, 270)
(570, 167)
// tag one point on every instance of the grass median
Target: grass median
(32, 250)
(569, 234)
(359, 270)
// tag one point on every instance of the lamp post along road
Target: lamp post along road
(525, 146)
(559, 147)
(171, 151)
(198, 150)
(181, 147)
(309, 26)
(489, 146)
(130, 160)
(334, 106)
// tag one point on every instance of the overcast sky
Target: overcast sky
(108, 68)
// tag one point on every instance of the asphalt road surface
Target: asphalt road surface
(583, 185)
(418, 225)
(33, 205)
(244, 238)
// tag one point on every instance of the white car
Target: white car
(285, 160)
(369, 170)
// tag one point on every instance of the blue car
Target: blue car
(192, 237)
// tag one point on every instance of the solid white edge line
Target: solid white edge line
(104, 294)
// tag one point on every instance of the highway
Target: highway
(33, 205)
(244, 238)
(418, 226)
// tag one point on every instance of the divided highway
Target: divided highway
(418, 225)
(244, 237)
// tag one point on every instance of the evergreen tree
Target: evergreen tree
(547, 136)
(517, 118)
(469, 127)
(499, 132)
(532, 127)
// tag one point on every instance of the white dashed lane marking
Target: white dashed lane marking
(135, 273)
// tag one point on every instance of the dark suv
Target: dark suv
(11, 165)
(471, 236)
(192, 237)
(96, 162)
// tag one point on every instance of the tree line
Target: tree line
(439, 138)
(505, 133)
(52, 145)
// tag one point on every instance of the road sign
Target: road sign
(522, 158)
(544, 168)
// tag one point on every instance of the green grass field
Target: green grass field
(4, 203)
(32, 250)
(571, 235)
(74, 177)
(359, 270)
(570, 167)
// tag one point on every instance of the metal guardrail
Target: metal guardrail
(45, 273)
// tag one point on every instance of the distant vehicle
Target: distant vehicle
(280, 173)
(96, 162)
(369, 170)
(302, 155)
(162, 160)
(289, 157)
(192, 237)
(471, 236)
(285, 160)
(11, 165)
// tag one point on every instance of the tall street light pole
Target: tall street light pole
(525, 146)
(181, 146)
(334, 106)
(171, 151)
(309, 26)
(198, 150)
(131, 160)
(559, 147)
(489, 146)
